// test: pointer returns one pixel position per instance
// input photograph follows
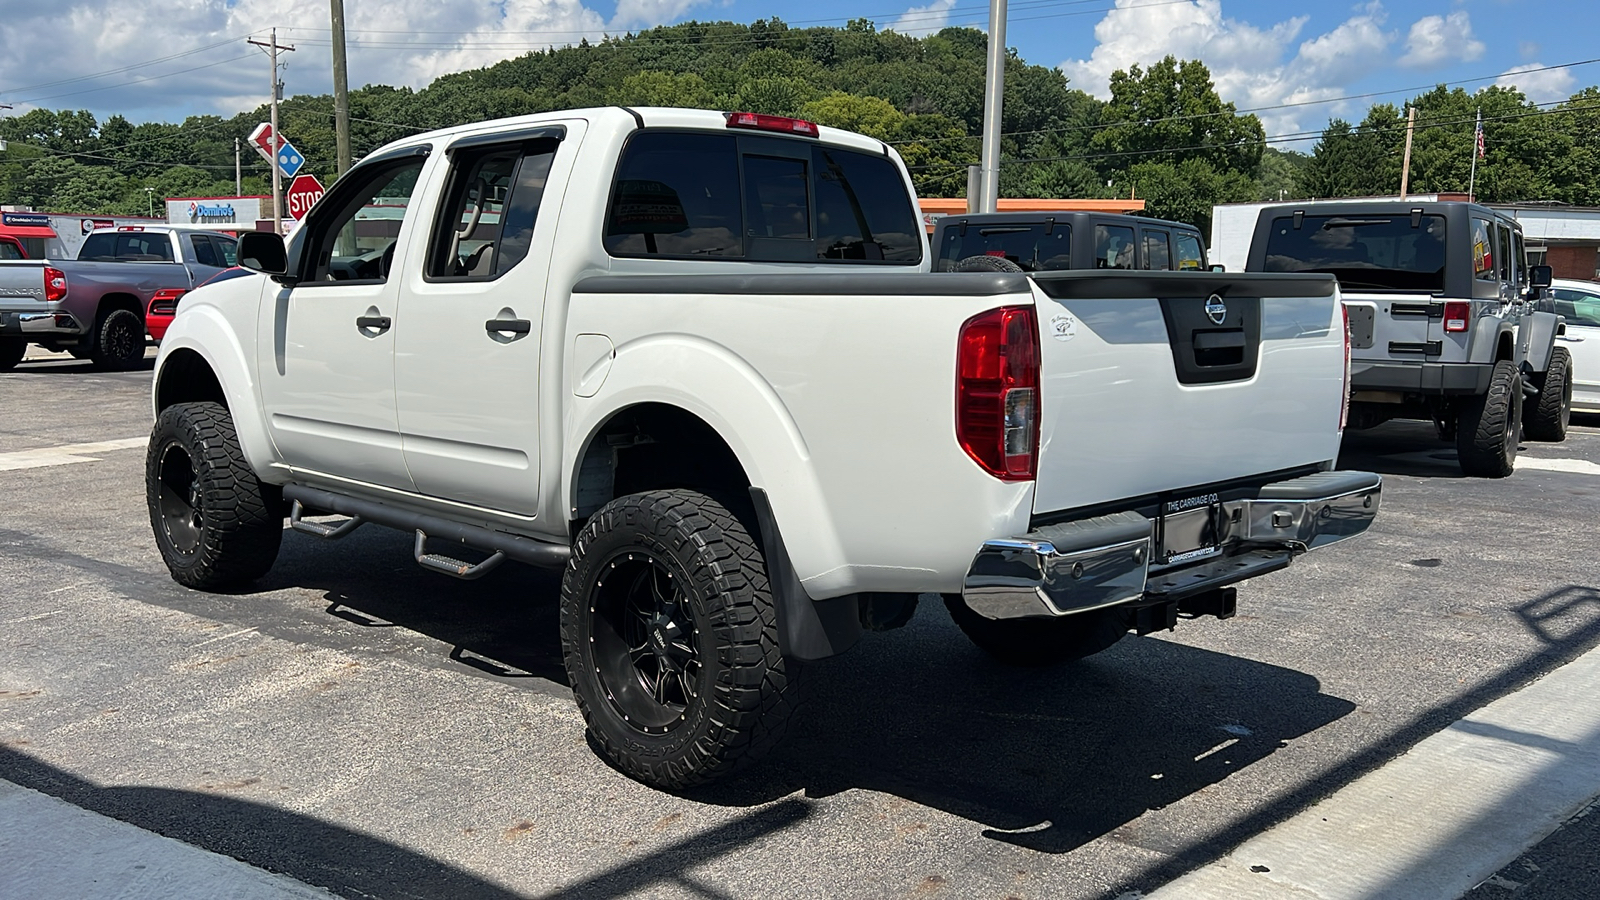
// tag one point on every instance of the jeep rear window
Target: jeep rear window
(1036, 248)
(697, 196)
(1366, 251)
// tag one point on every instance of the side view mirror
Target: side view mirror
(1539, 276)
(264, 252)
(1218, 267)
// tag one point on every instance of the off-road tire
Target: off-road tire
(1545, 416)
(745, 688)
(11, 352)
(1041, 641)
(987, 264)
(194, 462)
(1490, 425)
(118, 340)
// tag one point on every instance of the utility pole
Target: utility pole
(2, 140)
(993, 93)
(1405, 167)
(277, 142)
(341, 91)
(238, 174)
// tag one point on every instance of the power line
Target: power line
(117, 71)
(109, 87)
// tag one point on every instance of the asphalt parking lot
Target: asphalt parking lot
(364, 726)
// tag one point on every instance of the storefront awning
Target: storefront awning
(27, 231)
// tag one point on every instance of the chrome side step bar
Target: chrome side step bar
(500, 545)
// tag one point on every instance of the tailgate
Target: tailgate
(1158, 383)
(22, 285)
(1396, 327)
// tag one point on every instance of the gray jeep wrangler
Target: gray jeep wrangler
(1447, 321)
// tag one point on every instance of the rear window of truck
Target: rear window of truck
(1374, 252)
(690, 195)
(1036, 248)
(127, 246)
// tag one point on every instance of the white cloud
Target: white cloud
(1252, 66)
(1547, 86)
(921, 21)
(398, 42)
(1440, 40)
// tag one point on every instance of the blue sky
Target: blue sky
(184, 57)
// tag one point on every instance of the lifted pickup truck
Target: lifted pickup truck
(698, 362)
(95, 306)
(1447, 321)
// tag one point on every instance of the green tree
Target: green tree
(1172, 113)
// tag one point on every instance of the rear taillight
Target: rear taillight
(997, 392)
(165, 302)
(763, 122)
(1457, 316)
(55, 284)
(1344, 392)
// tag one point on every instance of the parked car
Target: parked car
(95, 306)
(698, 362)
(164, 305)
(1578, 302)
(1069, 239)
(1448, 323)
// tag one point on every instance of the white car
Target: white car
(1579, 302)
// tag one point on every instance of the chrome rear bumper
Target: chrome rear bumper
(1079, 566)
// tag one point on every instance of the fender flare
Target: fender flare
(205, 331)
(712, 383)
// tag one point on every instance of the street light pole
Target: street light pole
(993, 93)
(150, 201)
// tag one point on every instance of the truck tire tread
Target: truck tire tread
(1547, 415)
(757, 692)
(243, 521)
(1491, 425)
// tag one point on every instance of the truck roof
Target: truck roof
(641, 116)
(1060, 215)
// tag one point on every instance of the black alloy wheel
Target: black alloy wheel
(119, 341)
(179, 501)
(669, 633)
(645, 642)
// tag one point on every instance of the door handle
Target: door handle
(379, 324)
(508, 326)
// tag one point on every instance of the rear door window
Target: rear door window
(9, 250)
(1503, 247)
(698, 196)
(1157, 249)
(489, 210)
(1113, 247)
(227, 249)
(205, 253)
(1191, 253)
(1365, 252)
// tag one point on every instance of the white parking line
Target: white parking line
(68, 453)
(1432, 824)
(1576, 466)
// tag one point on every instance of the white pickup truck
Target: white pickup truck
(698, 361)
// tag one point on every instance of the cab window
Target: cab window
(1113, 247)
(1503, 247)
(707, 196)
(1157, 249)
(489, 210)
(1191, 254)
(204, 252)
(355, 241)
(8, 250)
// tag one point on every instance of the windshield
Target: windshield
(1033, 247)
(1373, 252)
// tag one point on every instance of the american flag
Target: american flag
(1477, 138)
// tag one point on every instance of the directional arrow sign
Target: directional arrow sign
(305, 191)
(261, 139)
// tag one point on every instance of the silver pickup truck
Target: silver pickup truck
(94, 306)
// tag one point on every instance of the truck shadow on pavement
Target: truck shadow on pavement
(353, 864)
(1400, 447)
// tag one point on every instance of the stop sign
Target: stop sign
(303, 191)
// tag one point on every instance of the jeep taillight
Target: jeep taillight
(1457, 316)
(1344, 394)
(997, 392)
(55, 284)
